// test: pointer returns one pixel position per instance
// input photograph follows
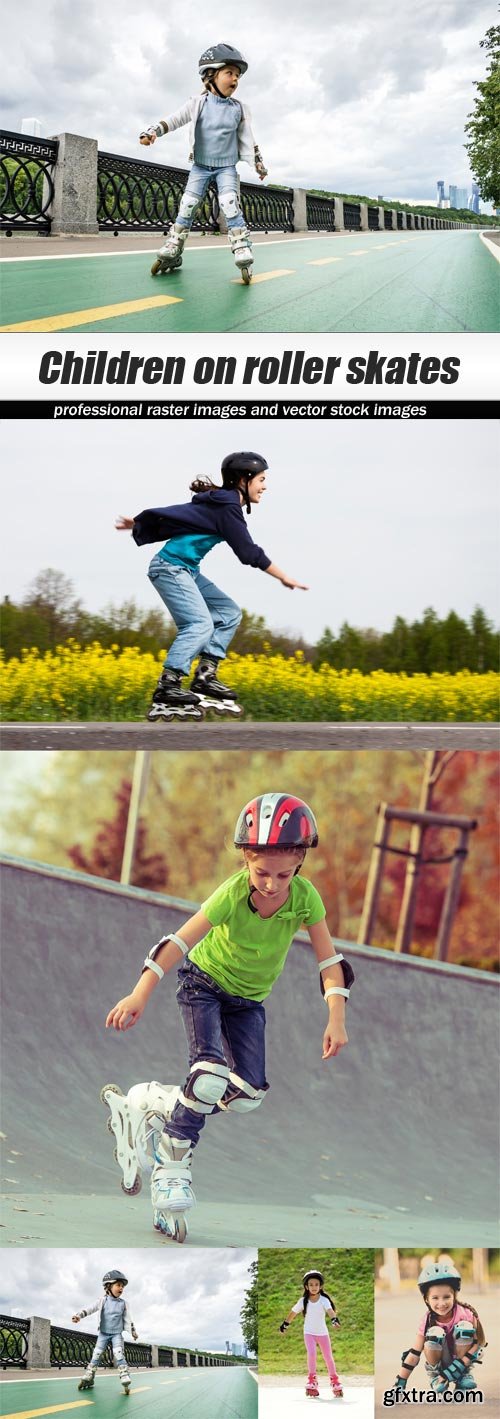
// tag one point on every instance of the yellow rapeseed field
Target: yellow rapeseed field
(94, 683)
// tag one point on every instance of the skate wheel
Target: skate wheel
(134, 1188)
(180, 1229)
(156, 267)
(110, 1089)
(246, 275)
(109, 1125)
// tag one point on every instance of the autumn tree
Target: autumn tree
(104, 859)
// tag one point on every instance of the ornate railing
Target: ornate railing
(26, 181)
(181, 1359)
(388, 219)
(352, 216)
(320, 213)
(373, 219)
(144, 196)
(68, 1348)
(165, 1356)
(14, 1333)
(399, 216)
(267, 209)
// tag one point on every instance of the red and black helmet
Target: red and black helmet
(276, 820)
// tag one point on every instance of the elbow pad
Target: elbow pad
(150, 961)
(347, 973)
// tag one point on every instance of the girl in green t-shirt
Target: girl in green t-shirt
(232, 951)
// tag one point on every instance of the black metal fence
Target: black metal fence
(68, 1349)
(26, 182)
(267, 209)
(320, 213)
(165, 1357)
(14, 1332)
(143, 196)
(139, 195)
(352, 216)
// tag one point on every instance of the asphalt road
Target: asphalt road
(426, 282)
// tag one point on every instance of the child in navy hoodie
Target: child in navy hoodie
(206, 619)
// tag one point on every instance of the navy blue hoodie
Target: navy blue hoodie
(218, 511)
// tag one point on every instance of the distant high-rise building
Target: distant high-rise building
(32, 126)
(473, 203)
(458, 196)
(440, 193)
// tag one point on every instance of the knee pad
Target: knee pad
(240, 1097)
(188, 204)
(411, 1363)
(435, 1335)
(229, 203)
(464, 1330)
(205, 1085)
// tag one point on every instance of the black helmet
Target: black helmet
(244, 464)
(112, 1276)
(218, 56)
(313, 1276)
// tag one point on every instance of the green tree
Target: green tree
(249, 1312)
(483, 128)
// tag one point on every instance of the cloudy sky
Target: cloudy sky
(191, 1297)
(377, 519)
(365, 98)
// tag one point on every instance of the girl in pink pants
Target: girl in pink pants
(315, 1305)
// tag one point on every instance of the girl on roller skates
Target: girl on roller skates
(114, 1317)
(205, 617)
(450, 1333)
(316, 1306)
(230, 953)
(220, 135)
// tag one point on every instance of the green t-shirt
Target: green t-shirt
(243, 952)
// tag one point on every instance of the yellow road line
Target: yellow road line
(324, 260)
(265, 276)
(139, 1389)
(85, 317)
(51, 1409)
(358, 253)
(167, 1382)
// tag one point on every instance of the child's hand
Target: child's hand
(124, 524)
(134, 1334)
(291, 584)
(125, 1014)
(149, 136)
(75, 1320)
(334, 1039)
(261, 170)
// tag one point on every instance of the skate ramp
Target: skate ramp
(402, 1126)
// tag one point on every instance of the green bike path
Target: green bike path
(222, 1393)
(426, 282)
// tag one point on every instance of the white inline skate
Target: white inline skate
(169, 257)
(87, 1380)
(125, 1379)
(171, 1191)
(241, 247)
(137, 1120)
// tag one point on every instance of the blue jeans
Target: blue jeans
(196, 186)
(205, 617)
(101, 1344)
(212, 1019)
